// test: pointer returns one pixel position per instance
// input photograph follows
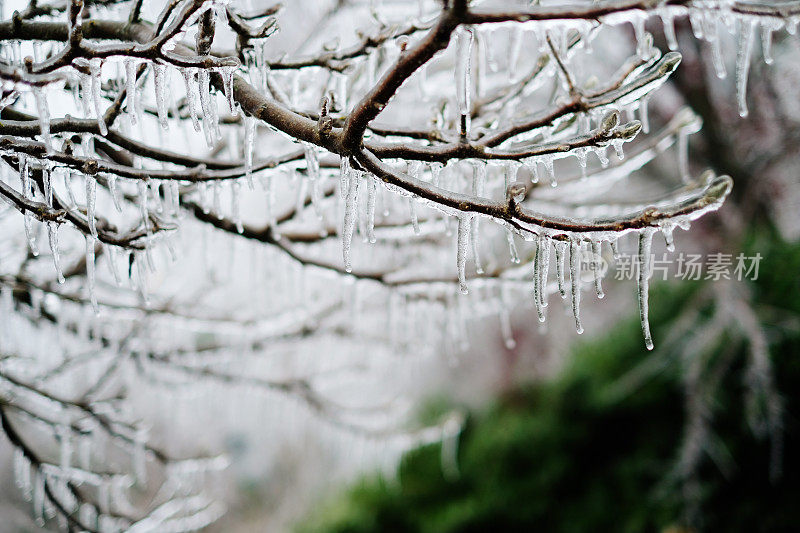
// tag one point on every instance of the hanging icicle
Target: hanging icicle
(561, 251)
(191, 99)
(574, 272)
(463, 77)
(95, 68)
(249, 142)
(350, 216)
(644, 257)
(43, 109)
(131, 92)
(743, 53)
(597, 261)
(160, 84)
(52, 236)
(91, 192)
(372, 185)
(462, 238)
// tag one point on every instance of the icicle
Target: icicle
(95, 67)
(544, 244)
(344, 176)
(512, 246)
(188, 78)
(551, 172)
(90, 273)
(114, 190)
(227, 87)
(350, 216)
(614, 248)
(371, 197)
(642, 50)
(44, 117)
(68, 186)
(464, 40)
(474, 237)
(478, 180)
(561, 250)
(696, 22)
(537, 280)
(142, 185)
(142, 279)
(210, 126)
(643, 115)
(617, 144)
(596, 259)
(533, 167)
(580, 155)
(91, 191)
(464, 221)
(746, 30)
(47, 177)
(669, 28)
(716, 53)
(312, 161)
(52, 237)
(683, 155)
(436, 172)
(667, 230)
(111, 259)
(412, 209)
(645, 241)
(249, 142)
(574, 272)
(131, 105)
(159, 73)
(505, 328)
(766, 42)
(26, 193)
(602, 156)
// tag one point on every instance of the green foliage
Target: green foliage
(596, 448)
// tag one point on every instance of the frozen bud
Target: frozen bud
(90, 167)
(516, 191)
(669, 63)
(402, 42)
(628, 131)
(609, 121)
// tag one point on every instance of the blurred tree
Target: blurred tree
(613, 443)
